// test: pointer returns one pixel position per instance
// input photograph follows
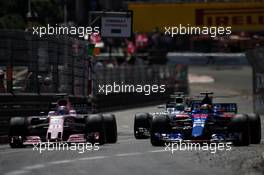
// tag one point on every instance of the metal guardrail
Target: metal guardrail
(192, 58)
(256, 59)
(174, 77)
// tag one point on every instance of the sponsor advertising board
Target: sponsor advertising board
(245, 16)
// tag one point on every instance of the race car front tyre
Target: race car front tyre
(110, 128)
(95, 124)
(17, 131)
(240, 125)
(255, 128)
(141, 121)
(159, 125)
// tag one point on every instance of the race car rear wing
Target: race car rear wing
(221, 107)
(226, 107)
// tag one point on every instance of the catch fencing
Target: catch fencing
(50, 64)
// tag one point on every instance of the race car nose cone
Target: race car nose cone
(54, 135)
(197, 131)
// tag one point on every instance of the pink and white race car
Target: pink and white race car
(62, 125)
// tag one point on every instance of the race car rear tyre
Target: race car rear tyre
(141, 121)
(255, 128)
(159, 125)
(95, 124)
(240, 124)
(18, 129)
(110, 128)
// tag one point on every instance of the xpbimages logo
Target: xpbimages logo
(62, 146)
(190, 146)
(147, 89)
(212, 31)
(63, 30)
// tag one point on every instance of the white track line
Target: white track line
(37, 166)
(128, 154)
(61, 161)
(19, 172)
(27, 169)
(157, 151)
(93, 158)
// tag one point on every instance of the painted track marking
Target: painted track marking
(26, 169)
(93, 158)
(157, 151)
(37, 166)
(17, 172)
(61, 161)
(128, 154)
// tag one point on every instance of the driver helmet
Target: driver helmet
(62, 110)
(206, 107)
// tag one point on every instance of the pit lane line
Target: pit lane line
(27, 169)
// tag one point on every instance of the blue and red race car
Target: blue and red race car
(207, 122)
(198, 120)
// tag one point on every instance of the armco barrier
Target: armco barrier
(256, 59)
(190, 58)
(174, 77)
(125, 100)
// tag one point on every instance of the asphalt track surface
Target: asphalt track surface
(137, 157)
